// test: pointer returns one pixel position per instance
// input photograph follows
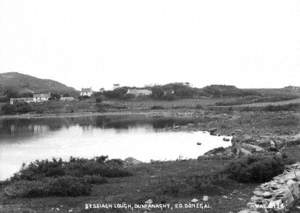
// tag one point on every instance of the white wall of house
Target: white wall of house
(139, 92)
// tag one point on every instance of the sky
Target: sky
(95, 43)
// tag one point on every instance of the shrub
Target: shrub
(67, 186)
(286, 107)
(256, 168)
(77, 167)
(61, 186)
(9, 109)
(156, 107)
(40, 169)
(199, 106)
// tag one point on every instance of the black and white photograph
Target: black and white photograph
(149, 106)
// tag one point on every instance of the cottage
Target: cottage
(21, 100)
(139, 92)
(67, 98)
(86, 92)
(116, 86)
(41, 97)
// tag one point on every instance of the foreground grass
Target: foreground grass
(163, 182)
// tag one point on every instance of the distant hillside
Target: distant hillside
(226, 91)
(20, 84)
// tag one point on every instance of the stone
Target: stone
(267, 195)
(195, 200)
(213, 131)
(294, 188)
(205, 198)
(252, 148)
(258, 193)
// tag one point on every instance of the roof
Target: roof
(42, 95)
(86, 90)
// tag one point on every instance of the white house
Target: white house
(139, 92)
(37, 98)
(41, 97)
(86, 92)
(116, 86)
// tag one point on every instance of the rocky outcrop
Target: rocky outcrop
(278, 195)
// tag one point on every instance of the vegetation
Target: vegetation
(59, 186)
(256, 99)
(77, 167)
(63, 178)
(18, 108)
(256, 168)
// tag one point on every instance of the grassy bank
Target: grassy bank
(163, 182)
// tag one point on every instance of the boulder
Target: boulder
(213, 131)
(252, 148)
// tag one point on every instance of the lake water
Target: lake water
(25, 140)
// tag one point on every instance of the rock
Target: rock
(267, 195)
(195, 200)
(226, 139)
(245, 152)
(258, 193)
(215, 151)
(199, 143)
(213, 131)
(205, 198)
(294, 188)
(252, 148)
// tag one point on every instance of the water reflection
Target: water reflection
(27, 128)
(25, 140)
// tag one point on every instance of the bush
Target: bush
(61, 186)
(9, 109)
(256, 168)
(157, 107)
(286, 107)
(77, 167)
(199, 106)
(67, 186)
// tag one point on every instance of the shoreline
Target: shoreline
(76, 114)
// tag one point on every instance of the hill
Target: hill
(227, 91)
(19, 84)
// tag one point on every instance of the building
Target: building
(67, 98)
(37, 98)
(41, 97)
(86, 92)
(21, 100)
(139, 92)
(116, 86)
